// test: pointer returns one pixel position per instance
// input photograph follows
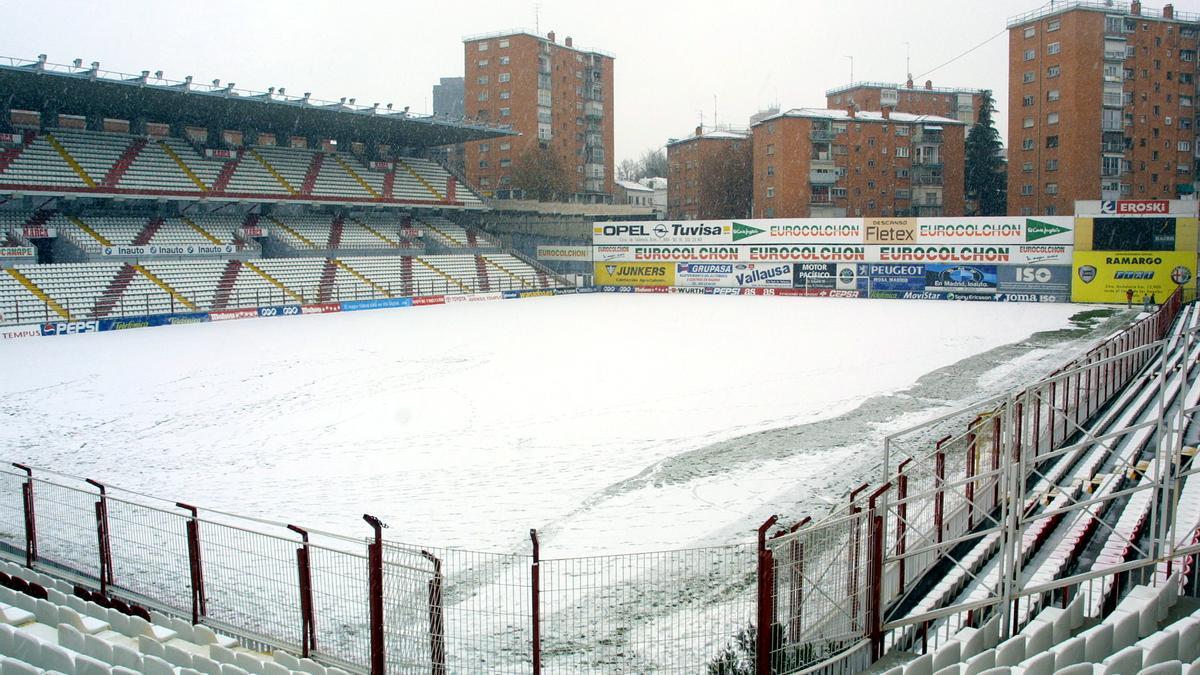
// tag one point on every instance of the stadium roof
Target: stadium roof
(41, 86)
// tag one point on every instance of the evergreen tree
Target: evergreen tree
(986, 182)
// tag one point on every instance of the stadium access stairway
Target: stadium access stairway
(73, 161)
(49, 625)
(1084, 540)
(37, 293)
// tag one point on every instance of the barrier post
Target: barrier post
(30, 515)
(969, 488)
(375, 595)
(308, 627)
(902, 518)
(765, 609)
(437, 617)
(103, 543)
(855, 555)
(535, 574)
(195, 565)
(796, 583)
(939, 495)
(875, 571)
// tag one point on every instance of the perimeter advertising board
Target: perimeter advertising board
(1031, 254)
(998, 230)
(733, 275)
(635, 274)
(1107, 276)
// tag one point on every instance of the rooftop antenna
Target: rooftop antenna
(714, 111)
(907, 60)
(537, 25)
(847, 56)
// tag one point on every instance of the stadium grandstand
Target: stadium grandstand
(128, 195)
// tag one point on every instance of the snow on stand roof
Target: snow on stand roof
(862, 116)
(637, 187)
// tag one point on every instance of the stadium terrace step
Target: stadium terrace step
(122, 164)
(273, 171)
(543, 280)
(296, 235)
(390, 242)
(41, 295)
(442, 274)
(328, 275)
(472, 239)
(335, 233)
(152, 227)
(8, 155)
(314, 170)
(200, 230)
(166, 287)
(420, 179)
(481, 274)
(389, 184)
(225, 285)
(406, 275)
(187, 170)
(275, 282)
(91, 232)
(356, 176)
(112, 294)
(39, 218)
(502, 268)
(363, 278)
(71, 162)
(222, 180)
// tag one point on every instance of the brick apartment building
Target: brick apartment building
(959, 104)
(1102, 105)
(687, 159)
(838, 163)
(556, 96)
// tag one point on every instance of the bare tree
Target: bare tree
(726, 182)
(629, 169)
(653, 163)
(541, 175)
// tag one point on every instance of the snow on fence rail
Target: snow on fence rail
(820, 589)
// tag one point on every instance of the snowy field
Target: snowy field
(611, 423)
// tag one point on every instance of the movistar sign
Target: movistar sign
(1036, 229)
(742, 231)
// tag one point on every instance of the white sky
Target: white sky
(671, 57)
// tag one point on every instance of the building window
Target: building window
(1054, 48)
(482, 63)
(1052, 118)
(1027, 123)
(1052, 95)
(484, 147)
(504, 77)
(1027, 167)
(1030, 54)
(770, 169)
(1026, 189)
(770, 193)
(483, 46)
(506, 146)
(770, 148)
(483, 95)
(1185, 101)
(1051, 188)
(504, 60)
(770, 212)
(1188, 55)
(483, 164)
(1027, 144)
(1053, 71)
(482, 79)
(1027, 210)
(505, 162)
(901, 151)
(1030, 32)
(505, 112)
(1052, 165)
(901, 130)
(1184, 146)
(503, 44)
(505, 95)
(1051, 141)
(1026, 101)
(1027, 77)
(1053, 25)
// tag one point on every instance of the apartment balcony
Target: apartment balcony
(929, 138)
(1112, 147)
(824, 161)
(1112, 173)
(930, 165)
(593, 109)
(822, 135)
(822, 177)
(1111, 125)
(928, 210)
(928, 180)
(1114, 55)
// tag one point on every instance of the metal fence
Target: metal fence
(805, 598)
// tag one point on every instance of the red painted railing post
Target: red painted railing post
(30, 515)
(972, 453)
(796, 583)
(535, 573)
(855, 556)
(766, 595)
(103, 543)
(939, 495)
(875, 575)
(902, 518)
(308, 626)
(195, 564)
(437, 617)
(375, 595)
(995, 460)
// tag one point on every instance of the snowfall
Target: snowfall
(612, 423)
